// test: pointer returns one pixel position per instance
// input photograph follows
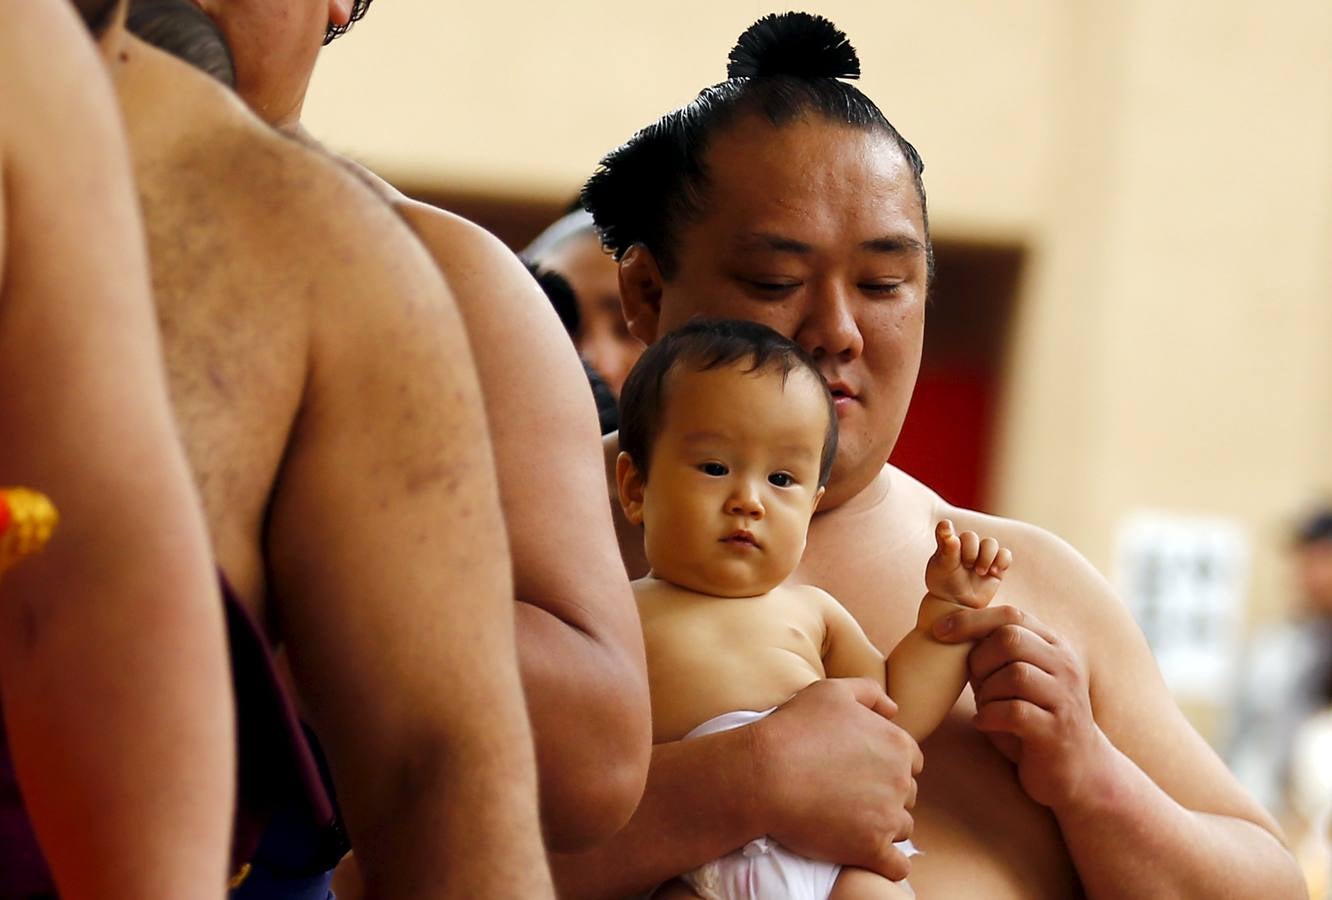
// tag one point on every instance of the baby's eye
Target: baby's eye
(715, 469)
(781, 479)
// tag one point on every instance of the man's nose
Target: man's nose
(829, 328)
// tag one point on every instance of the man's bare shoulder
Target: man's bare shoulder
(1050, 578)
(301, 196)
(47, 60)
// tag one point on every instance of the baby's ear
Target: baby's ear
(630, 483)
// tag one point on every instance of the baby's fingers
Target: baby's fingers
(1002, 560)
(985, 558)
(970, 547)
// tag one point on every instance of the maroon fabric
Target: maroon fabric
(277, 769)
(276, 766)
(23, 872)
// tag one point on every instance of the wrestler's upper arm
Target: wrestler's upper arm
(545, 432)
(1130, 700)
(74, 300)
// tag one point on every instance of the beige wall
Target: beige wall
(1168, 166)
(520, 98)
(1173, 349)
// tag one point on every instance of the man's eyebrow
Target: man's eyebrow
(893, 243)
(764, 240)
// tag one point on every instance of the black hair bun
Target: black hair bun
(796, 44)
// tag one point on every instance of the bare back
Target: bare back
(235, 325)
(330, 410)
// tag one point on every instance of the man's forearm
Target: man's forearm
(588, 704)
(697, 807)
(1131, 840)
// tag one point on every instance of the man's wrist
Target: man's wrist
(758, 812)
(1103, 788)
(932, 608)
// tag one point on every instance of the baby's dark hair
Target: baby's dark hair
(186, 32)
(785, 66)
(701, 345)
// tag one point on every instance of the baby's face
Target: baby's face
(734, 479)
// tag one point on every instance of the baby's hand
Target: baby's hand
(965, 569)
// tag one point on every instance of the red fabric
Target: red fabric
(946, 440)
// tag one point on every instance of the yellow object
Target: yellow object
(27, 520)
(239, 878)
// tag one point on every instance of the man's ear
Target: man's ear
(631, 488)
(339, 12)
(640, 292)
(818, 495)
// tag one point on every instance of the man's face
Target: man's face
(815, 229)
(275, 44)
(1314, 565)
(603, 339)
(734, 479)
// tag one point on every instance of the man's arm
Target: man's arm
(1145, 806)
(390, 566)
(827, 775)
(579, 640)
(112, 648)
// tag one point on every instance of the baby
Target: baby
(728, 436)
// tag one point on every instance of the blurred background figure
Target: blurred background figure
(1281, 736)
(562, 297)
(570, 247)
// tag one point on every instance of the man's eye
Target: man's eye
(769, 288)
(881, 288)
(781, 479)
(715, 469)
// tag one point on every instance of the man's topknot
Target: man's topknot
(784, 68)
(795, 44)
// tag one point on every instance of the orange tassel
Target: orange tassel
(27, 520)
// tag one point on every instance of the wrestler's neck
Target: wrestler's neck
(855, 492)
(163, 98)
(282, 114)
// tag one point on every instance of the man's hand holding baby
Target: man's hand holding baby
(835, 778)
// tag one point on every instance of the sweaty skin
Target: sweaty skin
(115, 628)
(815, 229)
(323, 386)
(579, 644)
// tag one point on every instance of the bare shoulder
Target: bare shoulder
(461, 242)
(815, 598)
(301, 198)
(53, 80)
(1053, 581)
